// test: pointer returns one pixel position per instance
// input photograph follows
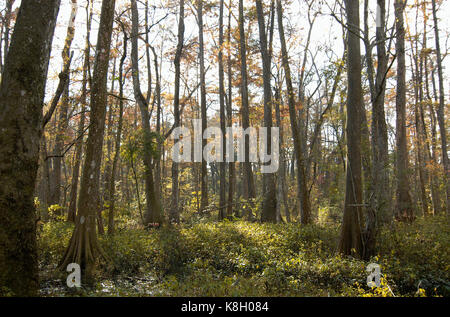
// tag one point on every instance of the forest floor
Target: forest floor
(236, 258)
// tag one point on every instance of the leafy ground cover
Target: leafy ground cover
(236, 258)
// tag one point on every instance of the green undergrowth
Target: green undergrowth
(235, 258)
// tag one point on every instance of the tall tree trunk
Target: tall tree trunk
(305, 210)
(440, 112)
(71, 215)
(222, 165)
(378, 210)
(231, 165)
(420, 137)
(106, 175)
(282, 172)
(147, 55)
(379, 130)
(303, 109)
(112, 184)
(367, 146)
(280, 185)
(153, 212)
(420, 143)
(431, 141)
(350, 242)
(83, 247)
(21, 98)
(269, 206)
(109, 137)
(174, 215)
(435, 192)
(404, 209)
(159, 113)
(55, 194)
(249, 182)
(204, 170)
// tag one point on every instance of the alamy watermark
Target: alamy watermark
(74, 278)
(374, 278)
(263, 145)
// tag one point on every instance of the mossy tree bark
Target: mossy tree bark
(21, 99)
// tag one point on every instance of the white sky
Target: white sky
(326, 37)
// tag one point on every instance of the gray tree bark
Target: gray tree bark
(174, 215)
(305, 209)
(222, 165)
(112, 184)
(83, 247)
(201, 54)
(378, 208)
(269, 206)
(404, 209)
(71, 214)
(380, 169)
(153, 212)
(441, 112)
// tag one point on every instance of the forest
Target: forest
(219, 148)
